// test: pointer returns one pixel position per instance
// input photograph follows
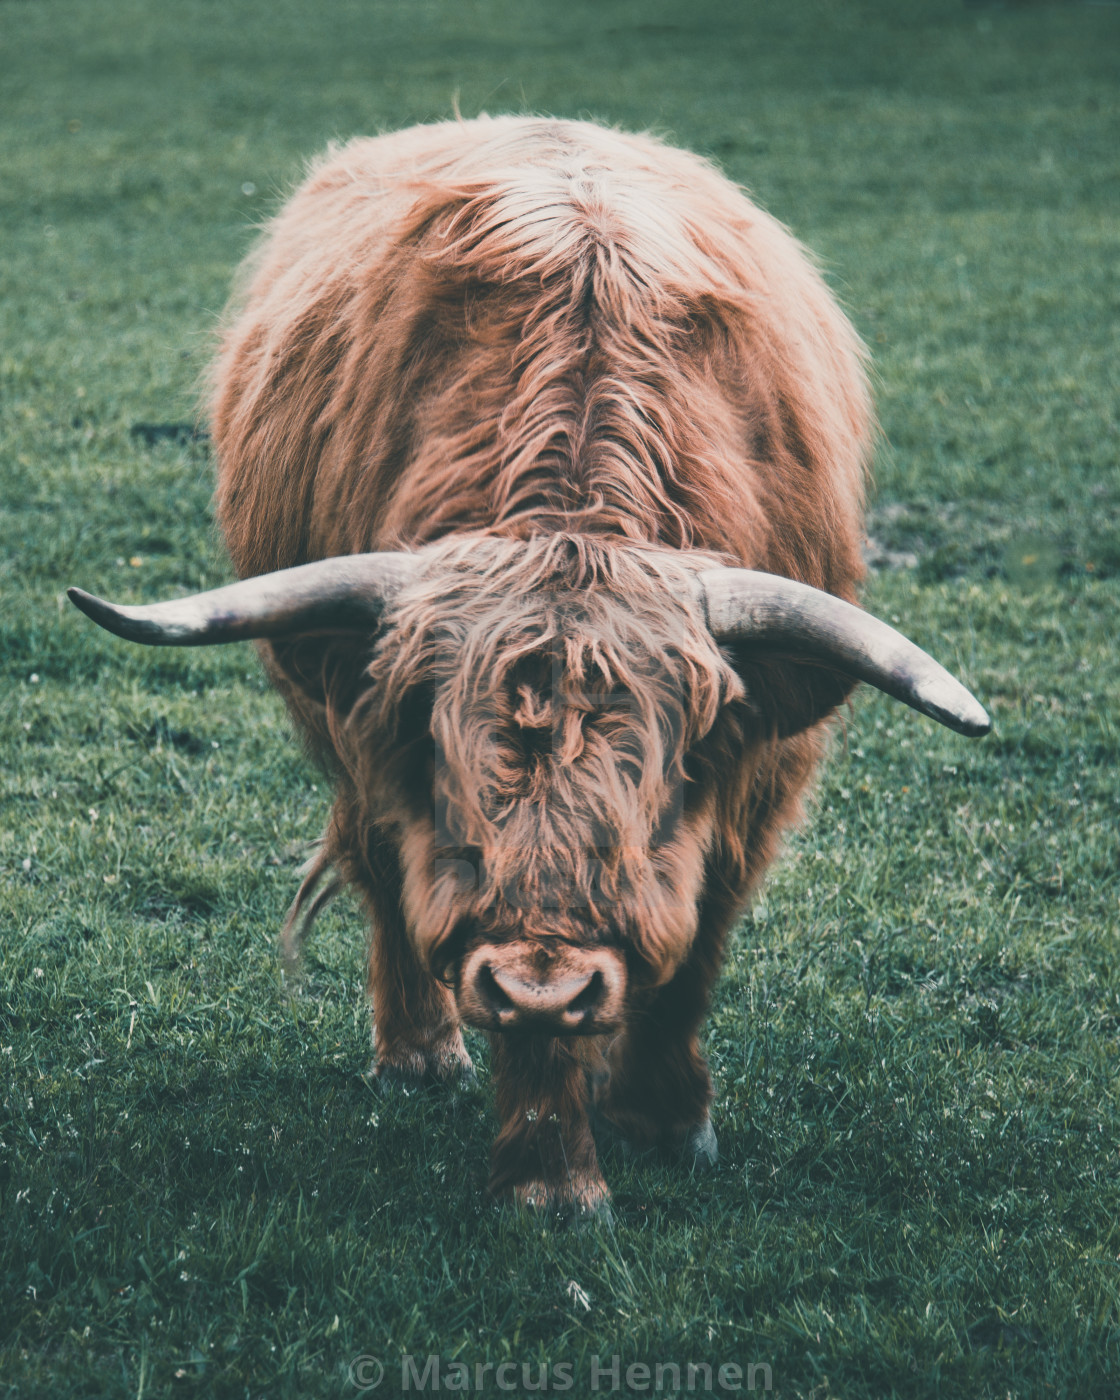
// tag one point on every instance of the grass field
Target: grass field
(915, 1041)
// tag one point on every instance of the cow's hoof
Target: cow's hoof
(424, 1072)
(697, 1147)
(568, 1206)
(700, 1149)
(391, 1080)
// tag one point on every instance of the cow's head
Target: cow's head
(538, 728)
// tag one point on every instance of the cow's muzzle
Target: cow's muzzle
(524, 987)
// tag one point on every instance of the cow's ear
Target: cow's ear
(326, 670)
(789, 694)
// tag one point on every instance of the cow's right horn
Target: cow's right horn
(344, 594)
(781, 615)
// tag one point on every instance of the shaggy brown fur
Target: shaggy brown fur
(577, 365)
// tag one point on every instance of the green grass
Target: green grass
(915, 1040)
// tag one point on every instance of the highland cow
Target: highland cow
(541, 455)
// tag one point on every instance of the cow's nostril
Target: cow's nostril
(492, 991)
(589, 996)
(574, 992)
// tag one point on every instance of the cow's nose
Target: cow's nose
(578, 992)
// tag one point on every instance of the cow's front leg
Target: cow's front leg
(416, 1032)
(659, 1091)
(544, 1155)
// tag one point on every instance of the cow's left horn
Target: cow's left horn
(344, 594)
(780, 614)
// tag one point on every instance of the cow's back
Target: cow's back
(521, 325)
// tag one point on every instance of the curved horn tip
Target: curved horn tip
(949, 703)
(975, 723)
(93, 607)
(131, 624)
